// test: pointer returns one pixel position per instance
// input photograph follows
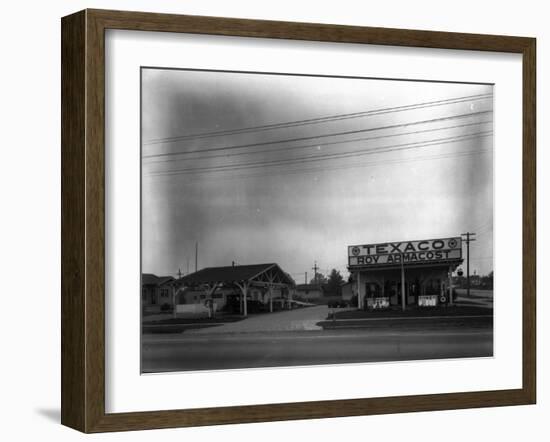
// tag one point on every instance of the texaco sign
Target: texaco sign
(391, 253)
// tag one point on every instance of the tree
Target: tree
(318, 279)
(334, 282)
(487, 281)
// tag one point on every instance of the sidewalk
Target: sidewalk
(483, 302)
(415, 312)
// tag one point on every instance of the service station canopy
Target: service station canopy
(429, 251)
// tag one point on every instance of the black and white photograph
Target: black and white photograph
(256, 222)
(299, 220)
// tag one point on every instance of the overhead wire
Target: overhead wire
(317, 145)
(318, 120)
(312, 137)
(323, 157)
(322, 169)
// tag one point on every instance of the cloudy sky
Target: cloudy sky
(292, 169)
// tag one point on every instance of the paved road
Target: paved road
(225, 351)
(477, 298)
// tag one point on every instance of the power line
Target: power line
(485, 229)
(352, 166)
(265, 143)
(317, 120)
(371, 151)
(324, 157)
(332, 143)
(484, 225)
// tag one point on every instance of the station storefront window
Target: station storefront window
(373, 290)
(433, 287)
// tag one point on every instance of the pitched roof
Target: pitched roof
(231, 274)
(165, 279)
(150, 279)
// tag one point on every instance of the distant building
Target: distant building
(475, 281)
(459, 281)
(347, 290)
(309, 292)
(157, 293)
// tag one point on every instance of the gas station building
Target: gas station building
(423, 268)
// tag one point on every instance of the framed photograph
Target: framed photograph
(267, 221)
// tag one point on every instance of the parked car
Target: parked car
(337, 304)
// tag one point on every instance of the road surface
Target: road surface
(477, 298)
(183, 352)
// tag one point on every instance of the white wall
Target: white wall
(30, 233)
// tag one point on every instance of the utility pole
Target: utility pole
(468, 237)
(306, 279)
(174, 292)
(196, 255)
(315, 268)
(403, 299)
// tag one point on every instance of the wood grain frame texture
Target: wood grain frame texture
(83, 219)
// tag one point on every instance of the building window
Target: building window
(390, 288)
(373, 290)
(433, 287)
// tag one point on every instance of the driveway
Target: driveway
(478, 298)
(288, 320)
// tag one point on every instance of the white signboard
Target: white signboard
(410, 252)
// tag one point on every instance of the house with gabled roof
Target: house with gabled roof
(255, 283)
(309, 292)
(157, 293)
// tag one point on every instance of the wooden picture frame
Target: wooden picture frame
(83, 220)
